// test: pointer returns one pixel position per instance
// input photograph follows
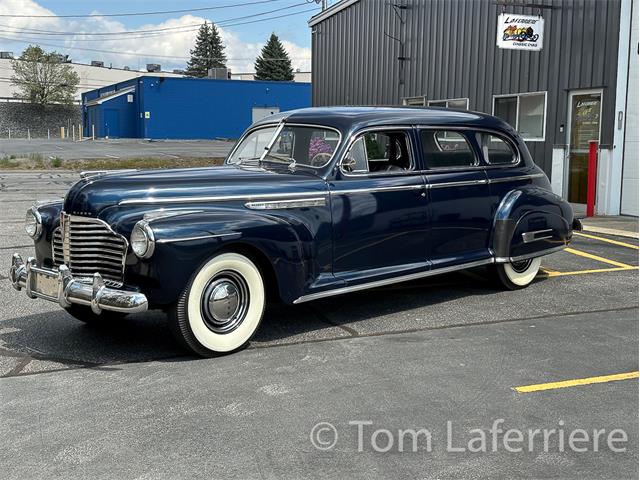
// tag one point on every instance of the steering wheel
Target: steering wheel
(320, 159)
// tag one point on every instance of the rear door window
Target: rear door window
(446, 149)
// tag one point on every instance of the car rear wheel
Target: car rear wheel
(221, 307)
(516, 275)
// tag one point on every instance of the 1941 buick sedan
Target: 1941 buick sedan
(308, 204)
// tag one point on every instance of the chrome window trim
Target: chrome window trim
(279, 126)
(354, 137)
(470, 129)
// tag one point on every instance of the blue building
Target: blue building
(186, 108)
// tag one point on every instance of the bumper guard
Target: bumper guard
(60, 286)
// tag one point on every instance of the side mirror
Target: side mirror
(348, 164)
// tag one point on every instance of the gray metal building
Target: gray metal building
(445, 53)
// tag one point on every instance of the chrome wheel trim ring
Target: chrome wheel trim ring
(225, 302)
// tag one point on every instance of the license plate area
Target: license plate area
(44, 283)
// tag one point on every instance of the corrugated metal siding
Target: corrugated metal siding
(452, 53)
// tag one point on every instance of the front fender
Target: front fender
(288, 243)
(531, 221)
(50, 214)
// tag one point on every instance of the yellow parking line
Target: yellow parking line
(553, 273)
(577, 382)
(597, 258)
(615, 242)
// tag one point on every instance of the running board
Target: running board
(418, 275)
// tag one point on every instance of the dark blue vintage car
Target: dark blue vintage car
(309, 204)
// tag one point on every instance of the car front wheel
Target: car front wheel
(221, 307)
(516, 275)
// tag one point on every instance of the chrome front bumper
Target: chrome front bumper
(60, 286)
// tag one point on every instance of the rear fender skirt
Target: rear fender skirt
(530, 221)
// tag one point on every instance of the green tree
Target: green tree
(43, 77)
(207, 53)
(274, 62)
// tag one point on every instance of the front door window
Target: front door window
(585, 127)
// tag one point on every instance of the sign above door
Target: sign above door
(520, 32)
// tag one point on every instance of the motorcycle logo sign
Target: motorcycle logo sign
(520, 32)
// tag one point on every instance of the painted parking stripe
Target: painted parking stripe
(597, 258)
(538, 387)
(608, 240)
(553, 273)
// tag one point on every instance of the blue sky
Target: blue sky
(243, 41)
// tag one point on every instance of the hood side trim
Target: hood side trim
(219, 198)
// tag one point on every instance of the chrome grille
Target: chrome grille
(87, 246)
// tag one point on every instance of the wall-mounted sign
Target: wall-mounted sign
(520, 32)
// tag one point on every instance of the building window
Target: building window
(526, 112)
(459, 103)
(413, 101)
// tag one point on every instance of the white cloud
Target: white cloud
(169, 49)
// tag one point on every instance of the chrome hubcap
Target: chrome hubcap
(225, 301)
(522, 266)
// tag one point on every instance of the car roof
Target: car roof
(353, 118)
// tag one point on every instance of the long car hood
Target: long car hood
(92, 195)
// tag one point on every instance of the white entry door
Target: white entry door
(630, 185)
(258, 113)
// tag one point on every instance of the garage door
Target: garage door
(629, 201)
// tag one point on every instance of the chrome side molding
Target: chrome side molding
(534, 236)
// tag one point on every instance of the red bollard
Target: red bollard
(592, 170)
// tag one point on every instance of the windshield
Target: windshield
(253, 145)
(294, 145)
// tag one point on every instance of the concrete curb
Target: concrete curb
(610, 231)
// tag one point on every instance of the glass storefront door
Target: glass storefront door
(584, 126)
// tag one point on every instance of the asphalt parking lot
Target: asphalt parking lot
(113, 148)
(411, 356)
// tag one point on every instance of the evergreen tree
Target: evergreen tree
(274, 62)
(207, 53)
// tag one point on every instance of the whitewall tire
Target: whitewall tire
(518, 275)
(221, 307)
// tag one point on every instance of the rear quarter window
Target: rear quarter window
(496, 150)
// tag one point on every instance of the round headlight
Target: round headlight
(33, 223)
(142, 240)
